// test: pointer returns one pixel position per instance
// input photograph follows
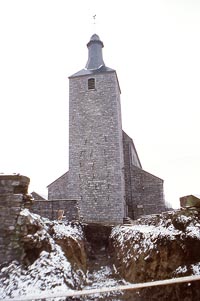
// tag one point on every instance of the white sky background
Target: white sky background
(154, 47)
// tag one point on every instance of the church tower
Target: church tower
(105, 176)
(96, 163)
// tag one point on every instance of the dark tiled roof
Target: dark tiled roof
(36, 196)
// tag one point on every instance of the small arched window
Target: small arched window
(91, 83)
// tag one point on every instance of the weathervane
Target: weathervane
(94, 19)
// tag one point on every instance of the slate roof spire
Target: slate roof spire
(95, 57)
(95, 63)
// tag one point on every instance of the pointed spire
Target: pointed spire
(95, 57)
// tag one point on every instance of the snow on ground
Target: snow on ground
(103, 278)
(194, 269)
(53, 273)
(151, 231)
(62, 230)
(146, 235)
(50, 272)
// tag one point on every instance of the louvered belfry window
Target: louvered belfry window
(91, 83)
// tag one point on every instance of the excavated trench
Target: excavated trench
(101, 271)
(105, 260)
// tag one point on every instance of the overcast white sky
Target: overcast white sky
(154, 47)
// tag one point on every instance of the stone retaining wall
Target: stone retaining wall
(13, 198)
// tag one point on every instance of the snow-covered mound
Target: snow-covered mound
(45, 265)
(155, 247)
(160, 247)
(60, 256)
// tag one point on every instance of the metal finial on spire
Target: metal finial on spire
(94, 19)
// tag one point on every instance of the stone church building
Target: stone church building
(105, 174)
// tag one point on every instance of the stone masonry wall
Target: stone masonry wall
(13, 198)
(128, 162)
(49, 209)
(95, 148)
(130, 153)
(144, 191)
(147, 193)
(59, 188)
